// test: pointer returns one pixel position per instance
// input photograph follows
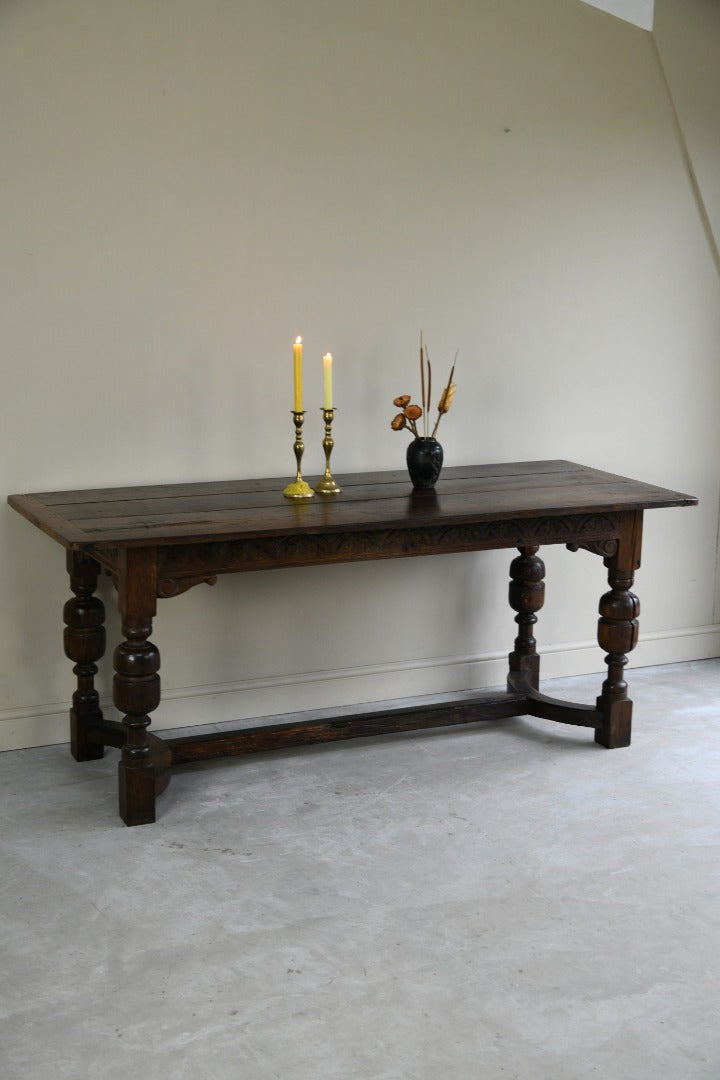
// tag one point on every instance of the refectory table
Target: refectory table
(157, 542)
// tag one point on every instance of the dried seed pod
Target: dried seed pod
(413, 412)
(402, 401)
(398, 423)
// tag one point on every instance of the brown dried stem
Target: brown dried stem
(422, 382)
(429, 391)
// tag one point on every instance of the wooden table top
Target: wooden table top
(183, 513)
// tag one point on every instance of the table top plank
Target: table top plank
(183, 513)
(273, 484)
(129, 512)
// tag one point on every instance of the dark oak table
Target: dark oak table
(157, 542)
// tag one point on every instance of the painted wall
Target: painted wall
(187, 187)
(687, 38)
(687, 35)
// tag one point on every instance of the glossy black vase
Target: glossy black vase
(424, 462)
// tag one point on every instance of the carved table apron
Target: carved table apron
(160, 541)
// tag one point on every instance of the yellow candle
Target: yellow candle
(297, 369)
(327, 381)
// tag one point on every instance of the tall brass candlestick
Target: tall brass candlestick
(298, 489)
(327, 485)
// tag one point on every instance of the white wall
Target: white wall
(687, 38)
(186, 187)
(687, 35)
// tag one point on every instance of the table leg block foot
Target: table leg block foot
(81, 748)
(613, 731)
(137, 794)
(526, 666)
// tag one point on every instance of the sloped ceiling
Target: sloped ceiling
(639, 12)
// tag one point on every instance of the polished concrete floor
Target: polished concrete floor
(488, 903)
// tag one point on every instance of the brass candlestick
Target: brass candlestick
(327, 485)
(298, 489)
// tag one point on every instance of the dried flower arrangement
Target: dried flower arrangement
(410, 413)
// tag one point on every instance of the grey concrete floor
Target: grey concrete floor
(502, 901)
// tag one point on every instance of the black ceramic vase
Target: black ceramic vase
(424, 461)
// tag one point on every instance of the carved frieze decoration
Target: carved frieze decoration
(182, 566)
(605, 548)
(168, 586)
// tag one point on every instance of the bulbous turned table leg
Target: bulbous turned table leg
(617, 636)
(136, 686)
(84, 642)
(526, 595)
(136, 692)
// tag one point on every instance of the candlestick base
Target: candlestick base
(299, 489)
(327, 485)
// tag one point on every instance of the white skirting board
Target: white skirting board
(191, 706)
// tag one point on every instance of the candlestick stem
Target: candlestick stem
(327, 485)
(298, 489)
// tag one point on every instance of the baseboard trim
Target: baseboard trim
(44, 725)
